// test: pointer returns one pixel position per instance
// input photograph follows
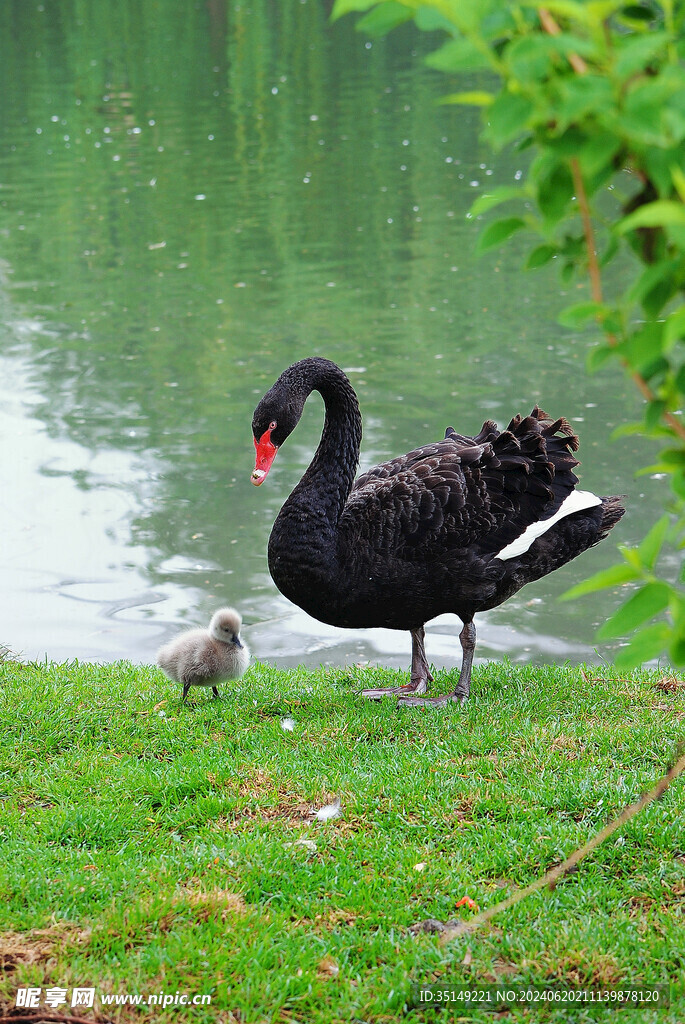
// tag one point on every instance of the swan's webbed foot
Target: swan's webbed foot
(409, 689)
(420, 673)
(461, 691)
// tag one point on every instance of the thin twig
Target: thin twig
(588, 231)
(552, 29)
(555, 874)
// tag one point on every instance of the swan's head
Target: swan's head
(225, 626)
(274, 419)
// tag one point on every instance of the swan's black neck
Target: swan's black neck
(303, 547)
(327, 482)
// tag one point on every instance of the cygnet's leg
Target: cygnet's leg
(420, 673)
(461, 692)
(215, 691)
(186, 687)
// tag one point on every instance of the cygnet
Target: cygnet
(205, 657)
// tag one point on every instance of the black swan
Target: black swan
(205, 657)
(456, 526)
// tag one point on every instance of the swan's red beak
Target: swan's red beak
(266, 453)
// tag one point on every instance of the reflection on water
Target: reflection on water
(190, 204)
(67, 591)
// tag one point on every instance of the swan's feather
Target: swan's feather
(480, 493)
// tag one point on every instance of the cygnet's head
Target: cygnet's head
(225, 626)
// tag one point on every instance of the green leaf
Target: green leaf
(600, 10)
(626, 430)
(651, 545)
(649, 643)
(529, 58)
(573, 246)
(597, 152)
(678, 483)
(678, 178)
(658, 467)
(383, 18)
(609, 252)
(341, 7)
(570, 9)
(580, 313)
(642, 349)
(524, 143)
(635, 53)
(458, 55)
(658, 165)
(582, 95)
(647, 602)
(598, 356)
(499, 22)
(658, 214)
(637, 12)
(642, 122)
(631, 556)
(555, 191)
(673, 456)
(653, 413)
(676, 234)
(498, 232)
(612, 577)
(674, 328)
(469, 99)
(509, 117)
(429, 19)
(676, 650)
(491, 199)
(540, 256)
(655, 286)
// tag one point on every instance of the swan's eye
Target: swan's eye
(272, 425)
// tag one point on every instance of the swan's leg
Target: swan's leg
(420, 673)
(468, 646)
(215, 691)
(461, 692)
(186, 687)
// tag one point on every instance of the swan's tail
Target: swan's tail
(612, 511)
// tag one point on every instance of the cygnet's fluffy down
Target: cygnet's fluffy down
(205, 657)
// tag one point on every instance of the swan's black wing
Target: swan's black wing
(465, 492)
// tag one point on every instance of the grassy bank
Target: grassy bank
(149, 846)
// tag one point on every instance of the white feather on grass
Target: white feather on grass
(330, 811)
(288, 724)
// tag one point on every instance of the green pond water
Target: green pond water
(192, 197)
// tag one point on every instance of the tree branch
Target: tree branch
(555, 874)
(596, 290)
(552, 29)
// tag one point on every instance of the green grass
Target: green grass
(146, 845)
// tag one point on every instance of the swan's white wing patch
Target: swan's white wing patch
(576, 501)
